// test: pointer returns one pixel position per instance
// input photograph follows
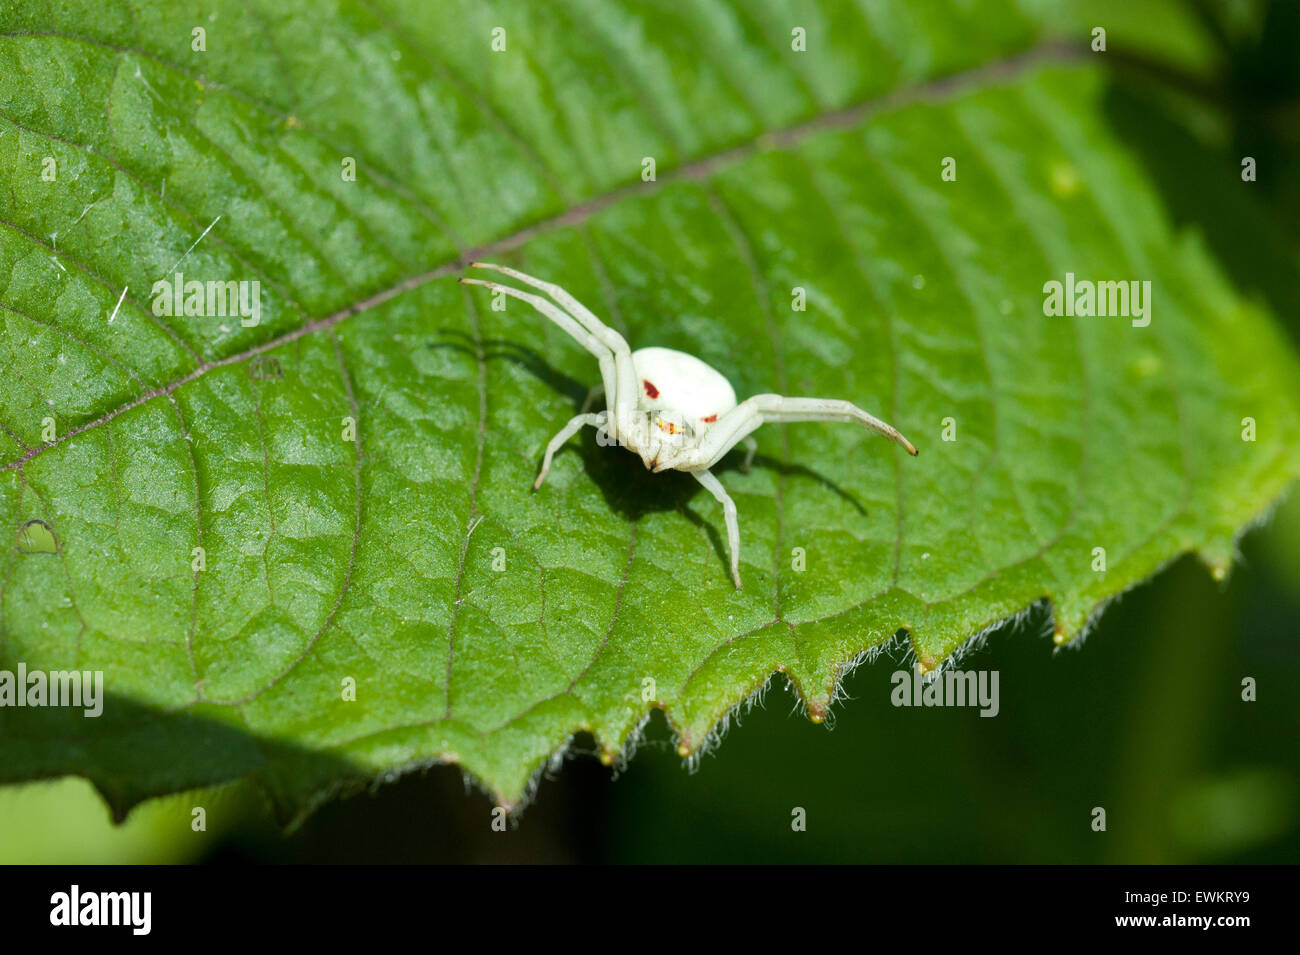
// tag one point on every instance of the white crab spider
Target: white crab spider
(667, 406)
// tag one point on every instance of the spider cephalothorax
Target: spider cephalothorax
(668, 407)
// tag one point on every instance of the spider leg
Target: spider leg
(623, 399)
(609, 367)
(575, 425)
(729, 511)
(751, 448)
(733, 427)
(737, 423)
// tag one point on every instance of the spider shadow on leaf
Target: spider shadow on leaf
(626, 485)
(631, 491)
(521, 355)
(734, 462)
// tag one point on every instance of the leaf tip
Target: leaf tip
(1218, 554)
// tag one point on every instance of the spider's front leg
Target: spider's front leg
(729, 512)
(618, 375)
(740, 421)
(575, 425)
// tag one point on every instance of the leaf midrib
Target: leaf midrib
(934, 90)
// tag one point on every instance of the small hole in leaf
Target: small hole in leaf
(37, 537)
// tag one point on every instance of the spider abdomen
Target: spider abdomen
(677, 382)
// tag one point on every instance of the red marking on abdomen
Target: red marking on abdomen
(711, 418)
(650, 389)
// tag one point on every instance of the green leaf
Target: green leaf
(480, 622)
